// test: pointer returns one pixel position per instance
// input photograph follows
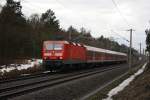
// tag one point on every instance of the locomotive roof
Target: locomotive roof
(90, 48)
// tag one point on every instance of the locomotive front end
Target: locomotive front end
(52, 54)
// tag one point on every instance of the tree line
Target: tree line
(22, 38)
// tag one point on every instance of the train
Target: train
(58, 55)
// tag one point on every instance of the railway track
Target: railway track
(15, 90)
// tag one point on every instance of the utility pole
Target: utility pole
(140, 49)
(140, 58)
(130, 54)
(143, 51)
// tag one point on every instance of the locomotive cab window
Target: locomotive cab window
(53, 46)
(49, 46)
(58, 46)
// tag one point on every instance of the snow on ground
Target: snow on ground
(31, 63)
(124, 84)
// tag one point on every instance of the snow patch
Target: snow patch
(31, 63)
(124, 83)
(46, 72)
(3, 66)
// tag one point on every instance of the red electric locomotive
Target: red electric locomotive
(60, 54)
(55, 54)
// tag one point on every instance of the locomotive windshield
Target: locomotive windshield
(58, 46)
(49, 46)
(53, 46)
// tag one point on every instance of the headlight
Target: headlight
(60, 57)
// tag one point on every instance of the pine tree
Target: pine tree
(14, 32)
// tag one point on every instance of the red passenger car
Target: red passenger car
(99, 55)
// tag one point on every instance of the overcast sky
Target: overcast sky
(100, 16)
